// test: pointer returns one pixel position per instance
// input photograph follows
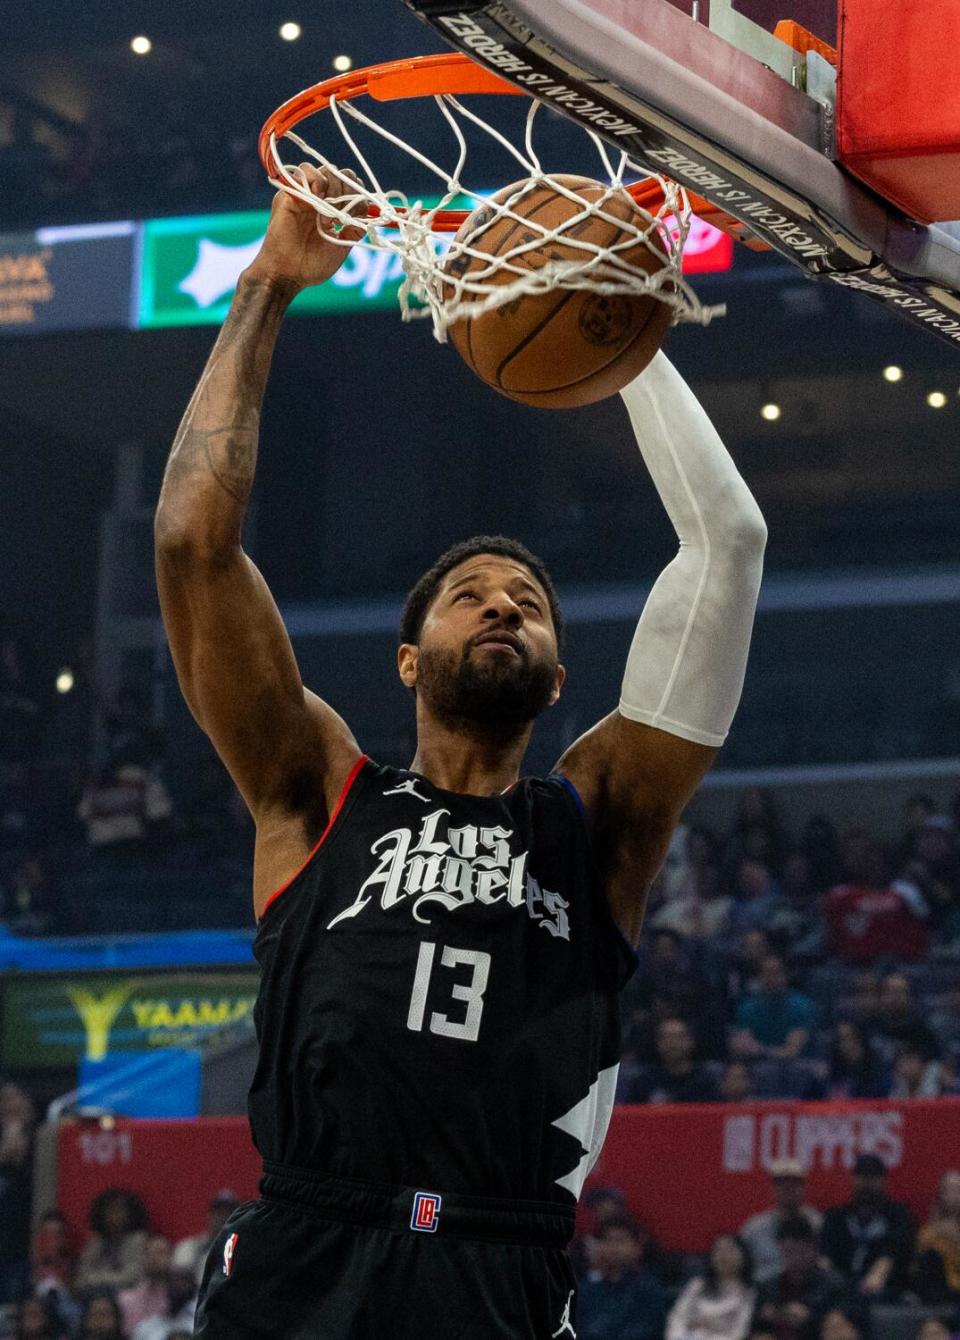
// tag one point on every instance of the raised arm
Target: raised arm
(638, 767)
(287, 751)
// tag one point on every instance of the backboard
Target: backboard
(749, 24)
(704, 92)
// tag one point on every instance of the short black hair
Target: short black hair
(421, 597)
(626, 1222)
(137, 1218)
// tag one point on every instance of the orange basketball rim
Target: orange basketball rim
(430, 76)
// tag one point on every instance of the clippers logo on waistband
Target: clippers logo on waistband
(426, 1212)
(229, 1247)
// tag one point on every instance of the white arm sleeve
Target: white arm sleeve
(688, 658)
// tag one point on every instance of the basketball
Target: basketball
(567, 347)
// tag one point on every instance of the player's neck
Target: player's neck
(468, 761)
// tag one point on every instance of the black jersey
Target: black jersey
(439, 996)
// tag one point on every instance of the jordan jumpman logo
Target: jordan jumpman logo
(408, 788)
(566, 1326)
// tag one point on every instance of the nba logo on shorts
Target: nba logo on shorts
(426, 1212)
(228, 1249)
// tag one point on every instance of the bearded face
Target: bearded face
(487, 653)
(485, 685)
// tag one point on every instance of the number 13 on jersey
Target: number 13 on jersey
(471, 993)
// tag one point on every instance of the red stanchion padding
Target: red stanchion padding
(898, 102)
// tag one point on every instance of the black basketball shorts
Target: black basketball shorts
(331, 1259)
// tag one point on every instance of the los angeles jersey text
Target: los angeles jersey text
(439, 995)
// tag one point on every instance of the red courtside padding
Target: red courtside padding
(898, 102)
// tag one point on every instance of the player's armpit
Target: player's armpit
(635, 782)
(283, 747)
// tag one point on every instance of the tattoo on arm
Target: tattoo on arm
(217, 441)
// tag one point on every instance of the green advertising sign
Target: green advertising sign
(190, 268)
(61, 1019)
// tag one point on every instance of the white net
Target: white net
(449, 280)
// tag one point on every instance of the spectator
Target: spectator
(757, 897)
(869, 917)
(743, 976)
(945, 1020)
(676, 1077)
(52, 1254)
(150, 1297)
(916, 1077)
(798, 921)
(856, 1070)
(53, 1265)
(719, 1304)
(693, 849)
(702, 911)
(870, 1239)
(761, 1232)
(916, 809)
(670, 971)
(819, 844)
(775, 1022)
(40, 1319)
(932, 1328)
(681, 990)
(122, 806)
(16, 1138)
(113, 1257)
(865, 998)
(756, 822)
(935, 869)
(844, 1323)
(794, 1302)
(898, 1022)
(605, 1202)
(619, 1300)
(190, 1253)
(181, 1306)
(101, 1319)
(736, 1083)
(937, 1278)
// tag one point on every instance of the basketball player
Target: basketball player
(442, 947)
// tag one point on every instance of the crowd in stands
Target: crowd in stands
(109, 822)
(858, 1270)
(125, 1282)
(810, 965)
(790, 1272)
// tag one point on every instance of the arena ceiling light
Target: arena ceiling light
(140, 45)
(893, 373)
(65, 680)
(290, 31)
(342, 64)
(936, 400)
(771, 412)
